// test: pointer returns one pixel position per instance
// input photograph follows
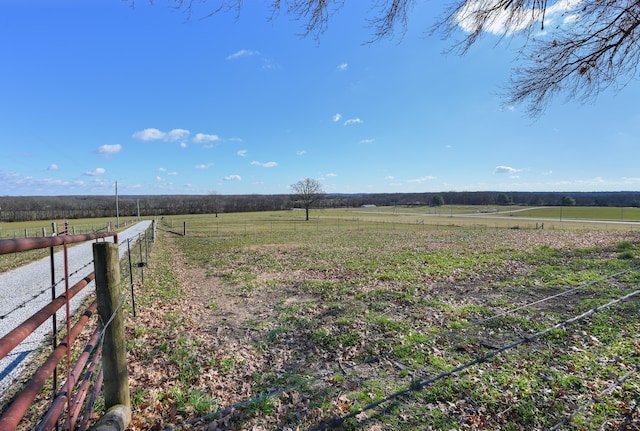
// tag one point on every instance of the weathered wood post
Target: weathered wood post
(114, 355)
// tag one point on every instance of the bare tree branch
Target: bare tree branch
(308, 191)
(594, 47)
(599, 50)
(391, 15)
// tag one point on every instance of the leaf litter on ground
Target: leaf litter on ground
(257, 315)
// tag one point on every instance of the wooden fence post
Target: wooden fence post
(114, 355)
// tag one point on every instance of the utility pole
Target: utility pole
(117, 208)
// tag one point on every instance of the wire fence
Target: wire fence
(76, 398)
(291, 221)
(42, 229)
(72, 402)
(424, 384)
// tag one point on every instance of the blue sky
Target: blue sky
(98, 92)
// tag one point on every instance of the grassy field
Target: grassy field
(552, 212)
(584, 213)
(515, 217)
(45, 228)
(356, 319)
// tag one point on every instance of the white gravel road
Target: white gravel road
(27, 289)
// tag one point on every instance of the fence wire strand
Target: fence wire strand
(596, 399)
(42, 292)
(420, 385)
(629, 418)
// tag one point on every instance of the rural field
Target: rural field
(375, 321)
(39, 228)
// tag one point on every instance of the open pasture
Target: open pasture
(39, 228)
(578, 213)
(374, 321)
(421, 217)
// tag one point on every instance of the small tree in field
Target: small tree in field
(504, 199)
(215, 202)
(309, 191)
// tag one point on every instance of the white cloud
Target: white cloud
(242, 53)
(233, 178)
(101, 183)
(162, 169)
(570, 19)
(52, 167)
(95, 172)
(337, 118)
(201, 138)
(367, 141)
(149, 135)
(176, 135)
(242, 153)
(506, 170)
(264, 165)
(183, 145)
(500, 24)
(390, 177)
(423, 179)
(268, 64)
(342, 67)
(107, 150)
(301, 152)
(331, 175)
(204, 166)
(172, 174)
(353, 121)
(152, 134)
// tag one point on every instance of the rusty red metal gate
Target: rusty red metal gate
(64, 395)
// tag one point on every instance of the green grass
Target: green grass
(580, 212)
(40, 228)
(412, 218)
(343, 290)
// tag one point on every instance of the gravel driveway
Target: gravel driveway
(27, 289)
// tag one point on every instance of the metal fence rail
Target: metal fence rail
(62, 396)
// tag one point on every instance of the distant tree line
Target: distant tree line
(24, 208)
(613, 199)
